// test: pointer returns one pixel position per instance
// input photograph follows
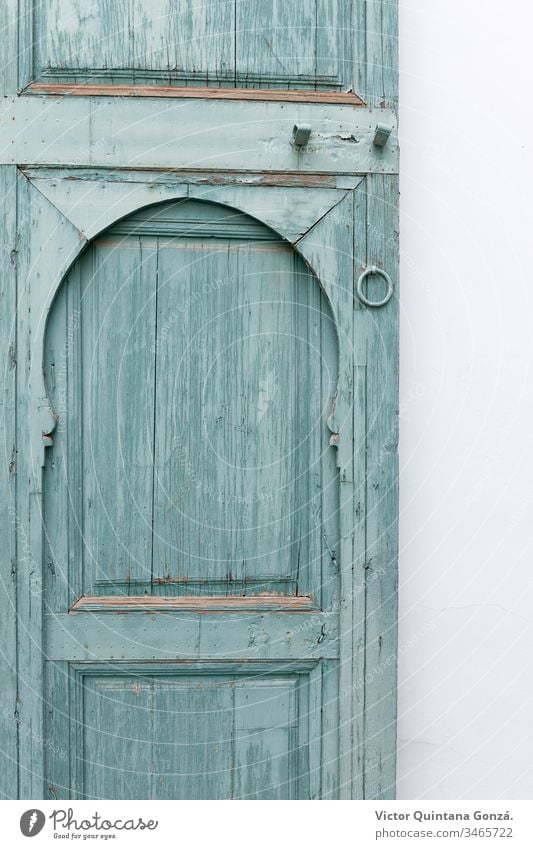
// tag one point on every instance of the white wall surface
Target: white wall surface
(466, 535)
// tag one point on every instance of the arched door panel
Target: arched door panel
(202, 371)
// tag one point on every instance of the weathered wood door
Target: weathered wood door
(200, 393)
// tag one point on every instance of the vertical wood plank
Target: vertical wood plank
(9, 46)
(8, 468)
(116, 38)
(359, 504)
(41, 228)
(381, 59)
(359, 583)
(331, 40)
(58, 479)
(200, 39)
(314, 721)
(382, 495)
(275, 40)
(265, 746)
(29, 489)
(58, 723)
(118, 328)
(118, 715)
(329, 248)
(331, 766)
(61, 530)
(356, 53)
(193, 730)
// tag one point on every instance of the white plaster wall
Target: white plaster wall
(466, 534)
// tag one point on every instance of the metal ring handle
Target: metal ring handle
(373, 269)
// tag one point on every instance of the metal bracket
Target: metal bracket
(382, 134)
(300, 134)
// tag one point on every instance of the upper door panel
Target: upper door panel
(303, 44)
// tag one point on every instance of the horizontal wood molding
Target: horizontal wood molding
(277, 635)
(204, 92)
(236, 135)
(200, 604)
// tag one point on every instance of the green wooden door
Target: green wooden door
(199, 596)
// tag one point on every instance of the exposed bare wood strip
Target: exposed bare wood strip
(197, 178)
(288, 95)
(198, 603)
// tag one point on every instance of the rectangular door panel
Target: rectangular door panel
(304, 44)
(170, 734)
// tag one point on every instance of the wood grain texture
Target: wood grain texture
(160, 628)
(33, 419)
(358, 590)
(329, 247)
(207, 732)
(124, 132)
(118, 410)
(216, 475)
(190, 179)
(381, 58)
(315, 46)
(275, 39)
(232, 44)
(199, 603)
(94, 200)
(108, 523)
(316, 248)
(173, 35)
(257, 635)
(134, 637)
(195, 92)
(10, 46)
(28, 507)
(376, 330)
(241, 466)
(8, 470)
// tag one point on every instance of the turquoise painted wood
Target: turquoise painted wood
(191, 359)
(209, 475)
(246, 43)
(328, 45)
(198, 562)
(9, 715)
